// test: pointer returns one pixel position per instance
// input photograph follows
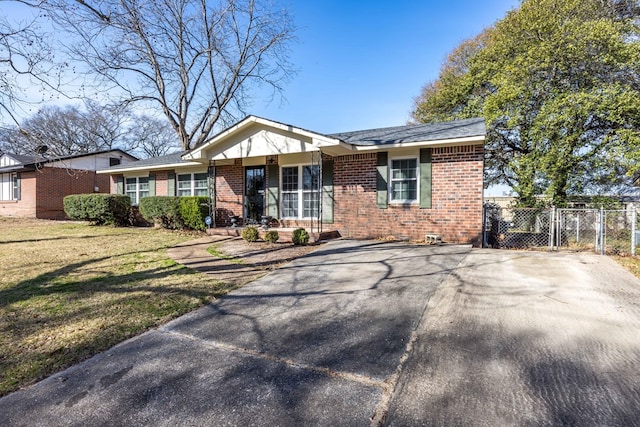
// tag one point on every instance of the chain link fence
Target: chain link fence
(599, 230)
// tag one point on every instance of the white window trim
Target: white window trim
(300, 190)
(390, 181)
(192, 183)
(137, 190)
(11, 185)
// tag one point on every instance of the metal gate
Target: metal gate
(599, 230)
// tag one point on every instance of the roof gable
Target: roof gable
(255, 136)
(11, 159)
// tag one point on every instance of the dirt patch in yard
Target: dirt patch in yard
(262, 254)
(235, 261)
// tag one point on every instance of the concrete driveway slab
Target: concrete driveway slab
(350, 307)
(520, 338)
(160, 379)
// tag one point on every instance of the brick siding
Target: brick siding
(42, 191)
(26, 206)
(229, 193)
(162, 183)
(456, 213)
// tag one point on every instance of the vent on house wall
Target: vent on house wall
(113, 161)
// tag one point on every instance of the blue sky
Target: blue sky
(361, 63)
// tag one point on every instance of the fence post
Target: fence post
(633, 230)
(552, 215)
(602, 226)
(484, 225)
(559, 228)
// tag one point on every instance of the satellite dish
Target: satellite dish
(41, 149)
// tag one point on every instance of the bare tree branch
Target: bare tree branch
(196, 60)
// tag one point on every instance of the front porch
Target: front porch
(284, 233)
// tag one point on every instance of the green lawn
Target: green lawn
(70, 290)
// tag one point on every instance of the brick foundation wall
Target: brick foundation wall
(456, 213)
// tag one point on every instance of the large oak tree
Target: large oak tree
(558, 82)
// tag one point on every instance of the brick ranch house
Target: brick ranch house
(403, 181)
(34, 186)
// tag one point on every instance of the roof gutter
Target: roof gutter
(148, 167)
(472, 140)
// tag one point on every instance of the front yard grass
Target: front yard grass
(70, 290)
(630, 263)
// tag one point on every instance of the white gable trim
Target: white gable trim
(7, 160)
(255, 136)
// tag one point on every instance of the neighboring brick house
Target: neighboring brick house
(403, 181)
(34, 186)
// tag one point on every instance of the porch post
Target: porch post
(212, 192)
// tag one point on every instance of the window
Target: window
(300, 192)
(193, 184)
(310, 191)
(137, 188)
(404, 180)
(16, 187)
(9, 186)
(290, 192)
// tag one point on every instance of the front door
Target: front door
(254, 193)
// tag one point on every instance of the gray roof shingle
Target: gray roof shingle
(414, 133)
(168, 159)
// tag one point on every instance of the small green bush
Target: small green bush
(164, 210)
(300, 236)
(250, 234)
(271, 236)
(98, 208)
(193, 211)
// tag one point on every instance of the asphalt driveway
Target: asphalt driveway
(361, 333)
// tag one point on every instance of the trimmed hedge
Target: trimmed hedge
(176, 212)
(98, 208)
(162, 210)
(300, 236)
(250, 234)
(193, 211)
(271, 236)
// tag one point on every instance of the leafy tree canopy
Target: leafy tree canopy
(558, 82)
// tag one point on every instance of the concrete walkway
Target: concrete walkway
(369, 333)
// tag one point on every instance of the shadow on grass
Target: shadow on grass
(55, 320)
(58, 238)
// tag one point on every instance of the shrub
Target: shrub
(98, 208)
(164, 210)
(271, 236)
(193, 211)
(250, 234)
(300, 236)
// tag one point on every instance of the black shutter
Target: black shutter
(425, 178)
(381, 180)
(327, 192)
